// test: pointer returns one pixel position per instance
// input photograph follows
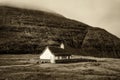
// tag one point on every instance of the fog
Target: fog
(97, 13)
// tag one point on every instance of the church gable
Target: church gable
(47, 54)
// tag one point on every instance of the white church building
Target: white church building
(54, 54)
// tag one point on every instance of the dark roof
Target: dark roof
(59, 51)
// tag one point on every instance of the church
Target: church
(54, 54)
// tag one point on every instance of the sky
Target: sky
(97, 13)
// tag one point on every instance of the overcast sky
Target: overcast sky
(97, 13)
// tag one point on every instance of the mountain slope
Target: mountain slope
(29, 31)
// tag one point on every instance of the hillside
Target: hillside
(29, 31)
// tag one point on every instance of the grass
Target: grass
(18, 67)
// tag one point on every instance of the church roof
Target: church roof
(59, 51)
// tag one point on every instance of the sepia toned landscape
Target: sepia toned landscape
(32, 41)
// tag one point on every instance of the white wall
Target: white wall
(47, 54)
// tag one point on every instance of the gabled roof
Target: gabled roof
(59, 51)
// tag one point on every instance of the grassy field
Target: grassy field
(23, 67)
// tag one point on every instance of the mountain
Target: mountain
(29, 31)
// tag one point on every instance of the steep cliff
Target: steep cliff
(29, 31)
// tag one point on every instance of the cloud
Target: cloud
(29, 4)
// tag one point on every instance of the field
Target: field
(24, 67)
